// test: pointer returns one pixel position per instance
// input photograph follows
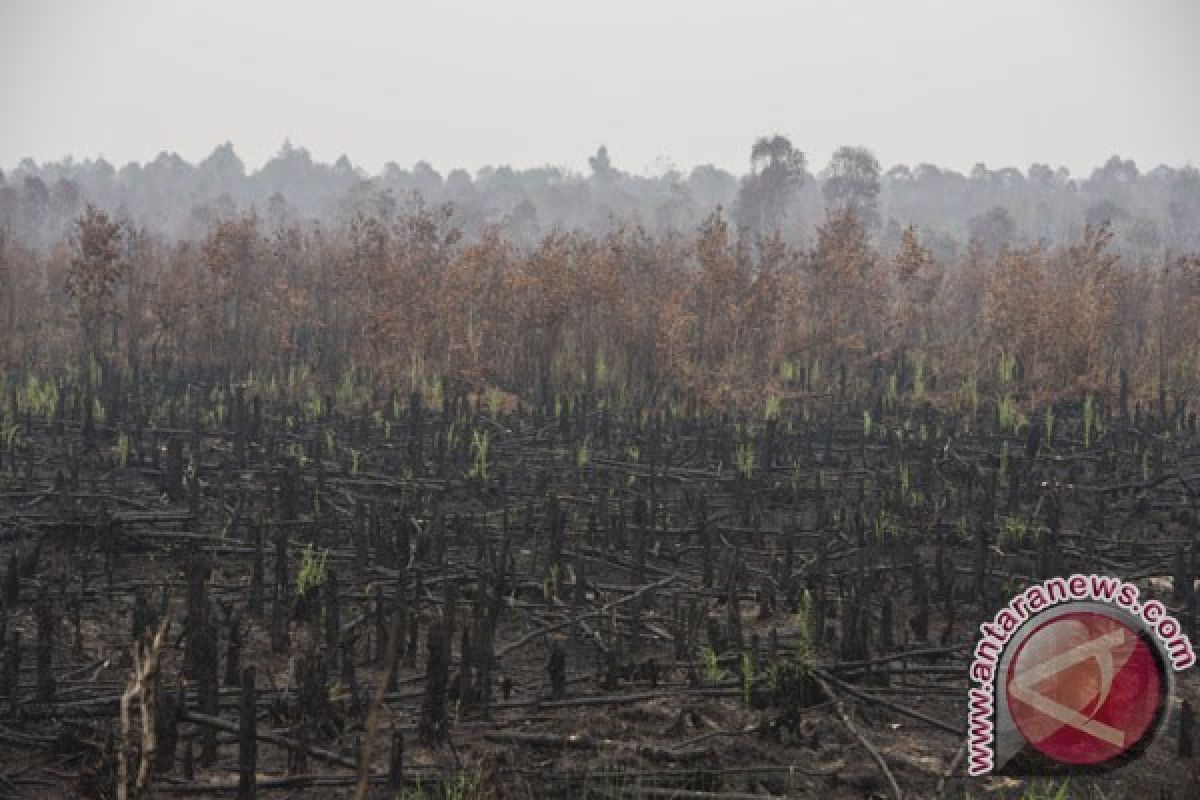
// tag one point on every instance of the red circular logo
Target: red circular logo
(1084, 688)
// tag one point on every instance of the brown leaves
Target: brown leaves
(230, 249)
(1015, 310)
(1055, 311)
(849, 291)
(1175, 329)
(917, 277)
(706, 311)
(94, 270)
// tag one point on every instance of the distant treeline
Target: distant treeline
(1151, 214)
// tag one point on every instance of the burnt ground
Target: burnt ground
(638, 604)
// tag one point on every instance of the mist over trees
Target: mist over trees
(766, 194)
(1149, 213)
(708, 285)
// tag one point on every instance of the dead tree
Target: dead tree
(143, 685)
(556, 667)
(44, 614)
(432, 727)
(247, 739)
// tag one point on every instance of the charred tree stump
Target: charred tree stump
(166, 728)
(143, 618)
(820, 600)
(12, 580)
(854, 644)
(432, 725)
(348, 676)
(382, 632)
(733, 612)
(556, 667)
(281, 602)
(173, 474)
(333, 620)
(75, 606)
(396, 763)
(359, 535)
(414, 634)
(255, 603)
(1187, 721)
(189, 760)
(919, 622)
(233, 652)
(1182, 588)
(44, 614)
(981, 561)
(886, 623)
(12, 671)
(247, 739)
(207, 686)
(197, 620)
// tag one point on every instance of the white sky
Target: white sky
(528, 83)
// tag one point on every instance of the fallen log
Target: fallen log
(328, 756)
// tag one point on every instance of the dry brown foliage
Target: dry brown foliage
(403, 299)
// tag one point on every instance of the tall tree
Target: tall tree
(8, 293)
(852, 183)
(777, 173)
(917, 278)
(848, 304)
(92, 276)
(602, 168)
(232, 251)
(990, 234)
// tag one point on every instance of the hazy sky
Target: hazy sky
(529, 83)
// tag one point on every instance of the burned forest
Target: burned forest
(384, 506)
